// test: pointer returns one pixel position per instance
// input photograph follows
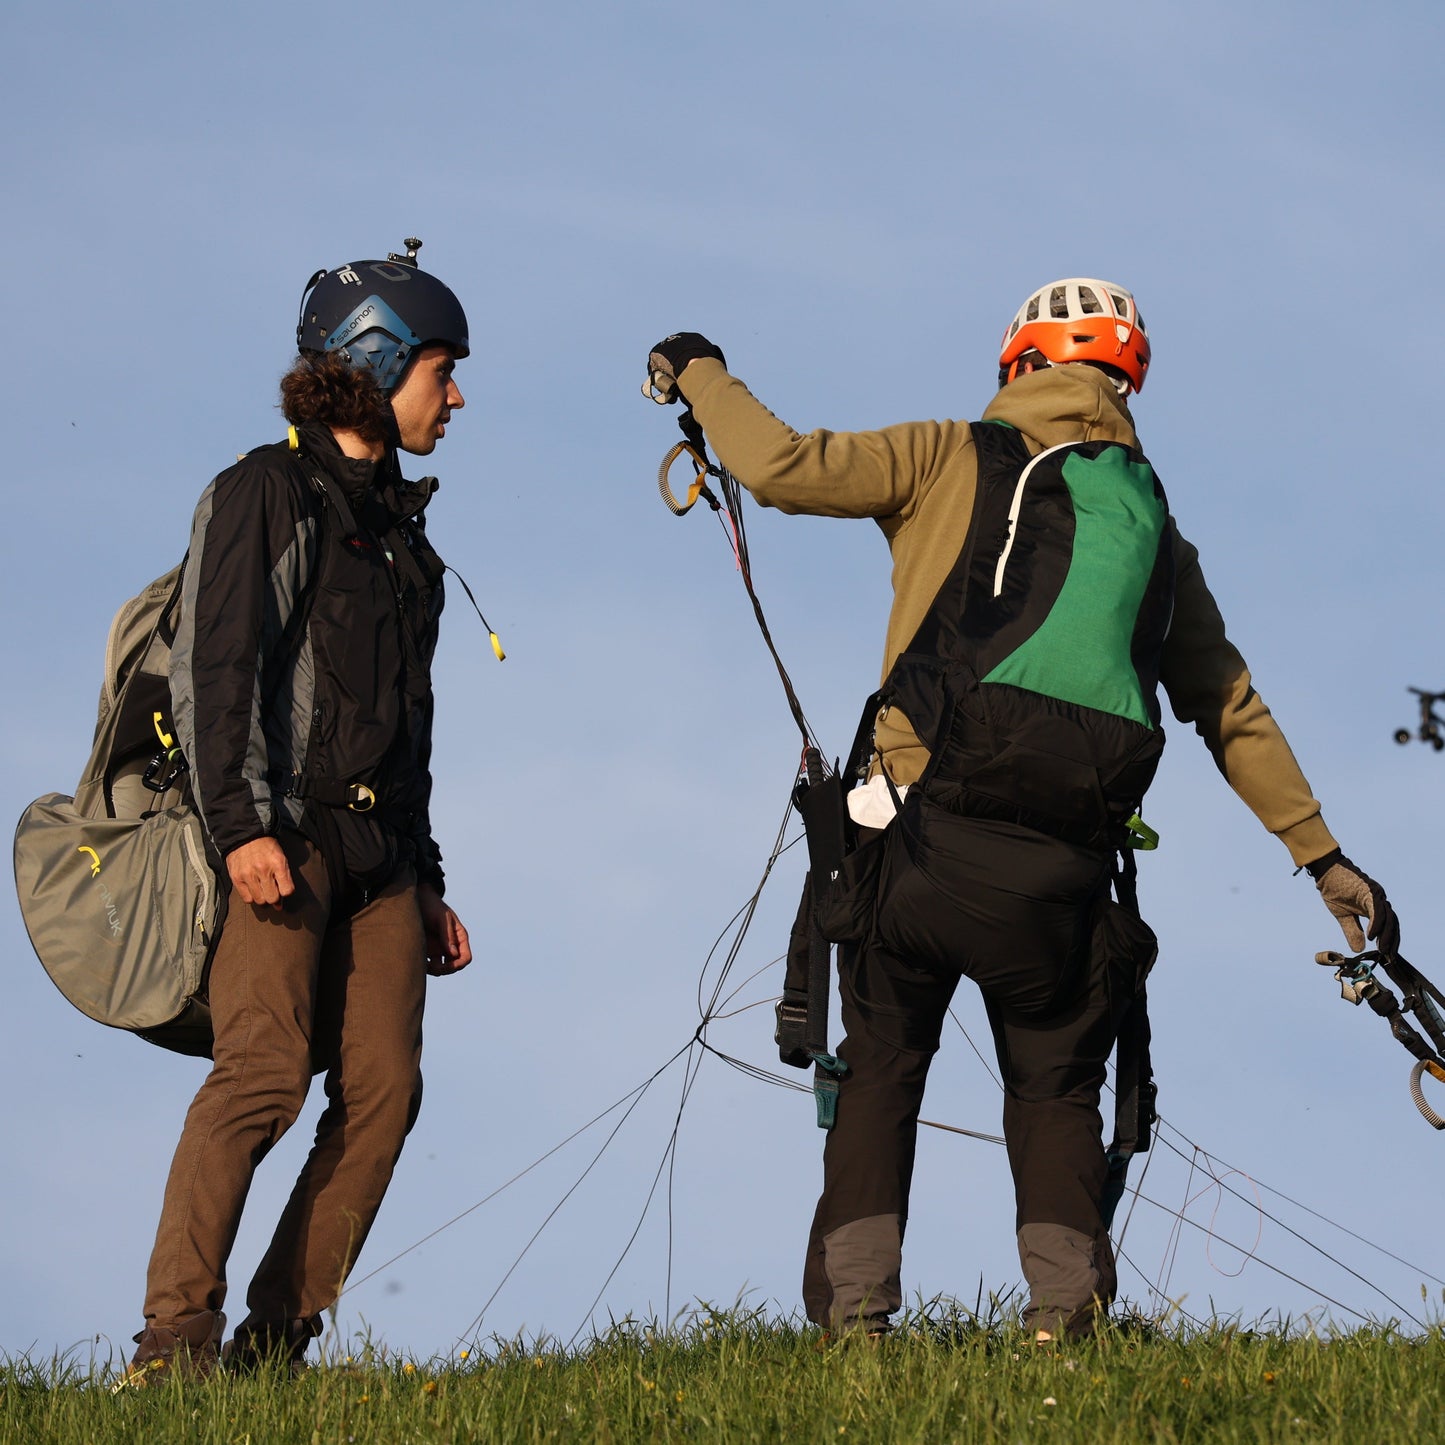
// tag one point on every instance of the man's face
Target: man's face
(425, 400)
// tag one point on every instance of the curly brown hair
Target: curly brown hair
(326, 388)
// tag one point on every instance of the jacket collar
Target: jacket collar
(365, 484)
(355, 476)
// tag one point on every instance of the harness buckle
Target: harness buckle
(790, 1032)
(360, 798)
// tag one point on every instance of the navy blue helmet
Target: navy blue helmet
(377, 313)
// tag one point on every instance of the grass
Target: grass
(737, 1376)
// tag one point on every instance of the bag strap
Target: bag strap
(1135, 1093)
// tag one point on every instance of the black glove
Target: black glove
(1351, 894)
(668, 359)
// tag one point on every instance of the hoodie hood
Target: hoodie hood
(1064, 404)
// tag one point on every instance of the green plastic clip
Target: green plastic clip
(825, 1087)
(1141, 835)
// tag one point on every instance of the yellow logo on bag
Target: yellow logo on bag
(95, 860)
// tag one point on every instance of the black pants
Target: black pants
(1017, 912)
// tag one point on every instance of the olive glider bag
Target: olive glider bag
(118, 897)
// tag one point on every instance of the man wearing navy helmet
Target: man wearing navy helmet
(301, 683)
(1041, 595)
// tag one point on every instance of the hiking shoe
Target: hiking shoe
(1052, 1324)
(189, 1349)
(261, 1346)
(871, 1332)
(1056, 1334)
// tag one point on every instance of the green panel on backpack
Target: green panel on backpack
(1081, 652)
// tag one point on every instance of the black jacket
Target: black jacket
(302, 659)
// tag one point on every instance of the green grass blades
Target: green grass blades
(736, 1376)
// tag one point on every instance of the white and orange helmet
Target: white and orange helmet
(1080, 319)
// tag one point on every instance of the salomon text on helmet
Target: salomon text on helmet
(1080, 319)
(377, 313)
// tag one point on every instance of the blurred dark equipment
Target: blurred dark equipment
(1432, 725)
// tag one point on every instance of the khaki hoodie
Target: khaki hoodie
(917, 481)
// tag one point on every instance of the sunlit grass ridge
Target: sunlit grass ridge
(737, 1375)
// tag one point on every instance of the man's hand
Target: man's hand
(1351, 894)
(669, 360)
(447, 947)
(260, 873)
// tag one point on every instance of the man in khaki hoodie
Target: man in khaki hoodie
(967, 888)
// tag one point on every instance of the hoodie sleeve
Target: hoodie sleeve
(1209, 686)
(249, 561)
(826, 474)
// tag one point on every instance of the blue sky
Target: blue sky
(852, 202)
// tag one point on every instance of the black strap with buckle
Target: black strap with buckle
(330, 792)
(336, 793)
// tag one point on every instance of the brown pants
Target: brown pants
(295, 991)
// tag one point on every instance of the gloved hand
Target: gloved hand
(668, 359)
(1351, 894)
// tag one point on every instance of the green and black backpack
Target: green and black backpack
(1033, 678)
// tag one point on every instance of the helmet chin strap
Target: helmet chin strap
(391, 431)
(390, 427)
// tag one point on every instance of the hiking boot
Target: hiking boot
(189, 1348)
(871, 1332)
(263, 1345)
(1053, 1326)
